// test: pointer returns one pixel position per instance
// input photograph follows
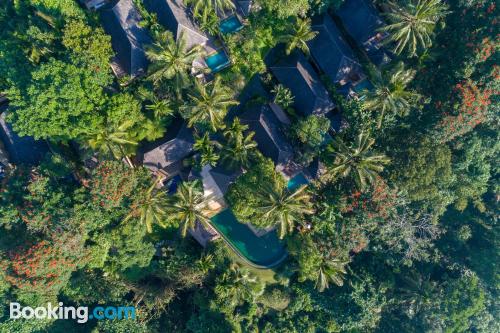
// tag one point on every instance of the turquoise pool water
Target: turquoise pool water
(230, 25)
(217, 61)
(264, 252)
(297, 181)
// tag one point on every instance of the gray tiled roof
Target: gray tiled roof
(361, 20)
(295, 73)
(127, 36)
(175, 17)
(268, 134)
(168, 156)
(22, 150)
(331, 52)
(223, 177)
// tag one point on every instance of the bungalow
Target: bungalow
(245, 7)
(167, 159)
(175, 17)
(269, 135)
(94, 4)
(362, 21)
(122, 22)
(21, 150)
(295, 73)
(332, 54)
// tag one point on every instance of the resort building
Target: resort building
(128, 38)
(332, 54)
(362, 21)
(21, 150)
(245, 7)
(167, 159)
(94, 4)
(295, 73)
(270, 136)
(175, 17)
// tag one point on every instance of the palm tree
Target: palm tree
(237, 150)
(413, 25)
(150, 208)
(115, 141)
(298, 36)
(206, 147)
(198, 6)
(170, 60)
(284, 207)
(186, 206)
(282, 96)
(357, 160)
(208, 104)
(390, 93)
(330, 270)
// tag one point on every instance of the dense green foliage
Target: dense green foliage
(398, 233)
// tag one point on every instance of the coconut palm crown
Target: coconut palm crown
(357, 161)
(412, 25)
(391, 93)
(283, 207)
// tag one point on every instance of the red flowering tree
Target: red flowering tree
(40, 270)
(114, 184)
(471, 109)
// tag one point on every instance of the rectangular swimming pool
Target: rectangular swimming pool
(217, 61)
(230, 25)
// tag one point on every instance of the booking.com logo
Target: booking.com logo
(81, 313)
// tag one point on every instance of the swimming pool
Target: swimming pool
(297, 181)
(261, 252)
(230, 25)
(217, 61)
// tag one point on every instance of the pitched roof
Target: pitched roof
(331, 52)
(223, 178)
(361, 20)
(22, 150)
(169, 155)
(245, 6)
(295, 73)
(268, 134)
(174, 16)
(127, 36)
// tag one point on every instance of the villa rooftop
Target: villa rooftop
(128, 38)
(175, 17)
(362, 21)
(295, 73)
(21, 150)
(269, 135)
(168, 157)
(332, 54)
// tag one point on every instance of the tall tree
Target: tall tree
(198, 6)
(390, 93)
(357, 160)
(298, 36)
(412, 25)
(237, 150)
(115, 141)
(171, 60)
(187, 206)
(206, 147)
(279, 206)
(208, 104)
(150, 207)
